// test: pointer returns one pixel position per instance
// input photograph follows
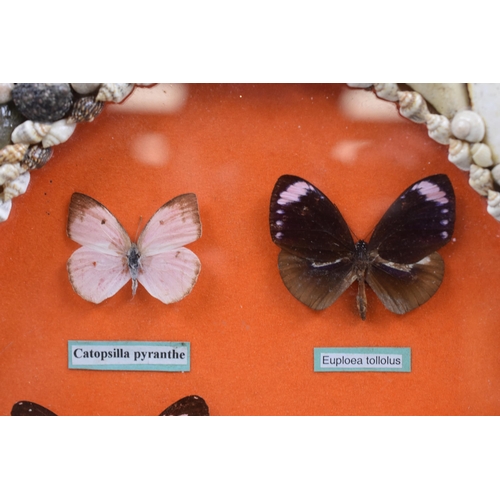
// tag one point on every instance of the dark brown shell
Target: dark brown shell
(36, 157)
(85, 109)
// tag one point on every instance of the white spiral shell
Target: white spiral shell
(13, 153)
(5, 208)
(60, 132)
(459, 154)
(413, 106)
(439, 128)
(480, 179)
(481, 154)
(15, 188)
(493, 207)
(468, 126)
(11, 171)
(30, 132)
(115, 92)
(387, 91)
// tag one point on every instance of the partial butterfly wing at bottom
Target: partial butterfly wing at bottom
(29, 409)
(190, 406)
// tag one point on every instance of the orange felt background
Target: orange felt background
(251, 340)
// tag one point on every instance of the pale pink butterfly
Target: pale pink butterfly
(108, 259)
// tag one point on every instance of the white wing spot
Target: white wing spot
(444, 222)
(444, 211)
(431, 192)
(444, 235)
(281, 212)
(279, 223)
(279, 235)
(294, 192)
(425, 260)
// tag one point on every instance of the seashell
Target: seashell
(36, 157)
(6, 92)
(495, 172)
(5, 210)
(447, 98)
(115, 92)
(10, 171)
(484, 100)
(439, 128)
(480, 179)
(481, 155)
(468, 126)
(412, 106)
(85, 88)
(15, 188)
(13, 153)
(30, 132)
(459, 154)
(493, 207)
(387, 91)
(85, 109)
(360, 85)
(60, 132)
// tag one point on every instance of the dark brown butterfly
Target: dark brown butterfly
(319, 259)
(193, 406)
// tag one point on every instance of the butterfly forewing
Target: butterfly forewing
(29, 409)
(305, 223)
(193, 406)
(174, 225)
(403, 287)
(418, 223)
(92, 225)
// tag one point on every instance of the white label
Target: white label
(151, 356)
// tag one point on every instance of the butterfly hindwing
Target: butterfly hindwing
(192, 406)
(170, 276)
(96, 276)
(29, 409)
(418, 223)
(316, 286)
(403, 287)
(305, 223)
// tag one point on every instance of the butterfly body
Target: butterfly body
(319, 259)
(134, 265)
(108, 259)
